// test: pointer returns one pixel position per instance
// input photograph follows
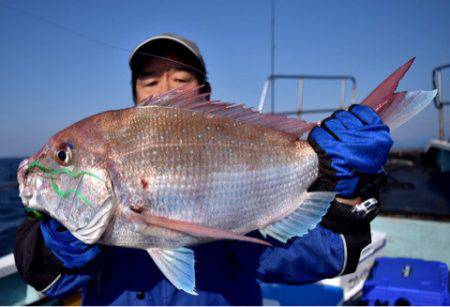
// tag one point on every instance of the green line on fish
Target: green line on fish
(63, 170)
(34, 214)
(70, 173)
(66, 193)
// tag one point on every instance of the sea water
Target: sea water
(12, 211)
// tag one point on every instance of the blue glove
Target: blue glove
(351, 145)
(72, 253)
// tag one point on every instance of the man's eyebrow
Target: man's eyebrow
(181, 67)
(153, 73)
(147, 74)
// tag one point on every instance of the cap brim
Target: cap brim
(158, 38)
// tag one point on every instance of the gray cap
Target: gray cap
(146, 47)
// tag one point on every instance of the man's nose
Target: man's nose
(163, 85)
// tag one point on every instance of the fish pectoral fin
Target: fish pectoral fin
(177, 265)
(193, 229)
(306, 217)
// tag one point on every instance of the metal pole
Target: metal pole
(441, 125)
(353, 97)
(342, 91)
(441, 109)
(272, 60)
(300, 97)
(262, 100)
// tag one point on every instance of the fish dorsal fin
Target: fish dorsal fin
(189, 99)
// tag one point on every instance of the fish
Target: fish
(178, 171)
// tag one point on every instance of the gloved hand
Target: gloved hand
(72, 253)
(352, 147)
(350, 144)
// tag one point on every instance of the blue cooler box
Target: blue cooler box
(407, 281)
(306, 295)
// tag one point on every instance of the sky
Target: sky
(61, 61)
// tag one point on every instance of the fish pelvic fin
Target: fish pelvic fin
(190, 99)
(394, 108)
(177, 265)
(301, 221)
(189, 228)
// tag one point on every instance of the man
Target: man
(161, 64)
(49, 258)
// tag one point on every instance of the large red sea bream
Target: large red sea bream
(179, 171)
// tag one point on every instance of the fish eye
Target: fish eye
(64, 154)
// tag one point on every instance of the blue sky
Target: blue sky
(50, 77)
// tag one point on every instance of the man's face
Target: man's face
(160, 75)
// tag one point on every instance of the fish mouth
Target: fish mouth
(28, 186)
(25, 191)
(29, 195)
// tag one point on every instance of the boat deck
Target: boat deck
(428, 240)
(416, 188)
(415, 208)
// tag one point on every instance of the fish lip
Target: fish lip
(25, 191)
(28, 185)
(22, 171)
(23, 163)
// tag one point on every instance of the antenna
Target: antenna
(272, 59)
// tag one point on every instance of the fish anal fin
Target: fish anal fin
(190, 99)
(306, 217)
(177, 265)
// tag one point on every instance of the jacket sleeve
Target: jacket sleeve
(40, 267)
(319, 254)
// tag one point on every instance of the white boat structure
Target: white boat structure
(13, 291)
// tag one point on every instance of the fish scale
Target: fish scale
(199, 152)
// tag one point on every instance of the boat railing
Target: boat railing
(439, 100)
(7, 265)
(343, 80)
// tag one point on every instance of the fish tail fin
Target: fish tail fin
(404, 106)
(394, 108)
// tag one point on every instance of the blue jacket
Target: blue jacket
(226, 272)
